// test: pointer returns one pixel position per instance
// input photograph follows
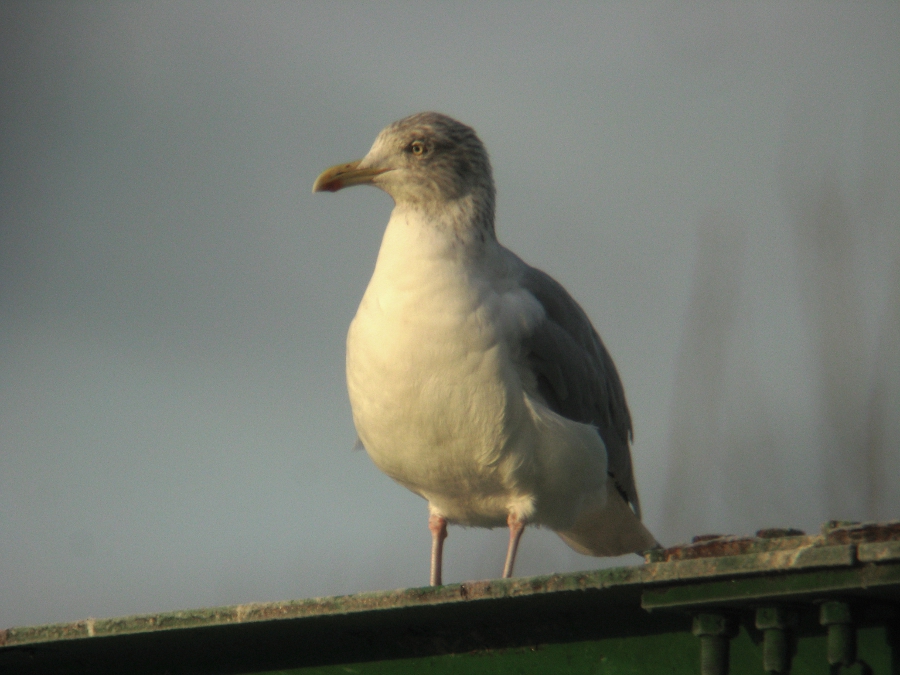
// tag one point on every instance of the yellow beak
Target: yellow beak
(345, 175)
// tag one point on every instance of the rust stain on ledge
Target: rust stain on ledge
(834, 533)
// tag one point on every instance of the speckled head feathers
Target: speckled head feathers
(429, 163)
(433, 159)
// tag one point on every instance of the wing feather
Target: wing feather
(576, 376)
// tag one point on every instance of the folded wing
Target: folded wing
(576, 378)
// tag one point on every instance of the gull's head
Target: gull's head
(424, 160)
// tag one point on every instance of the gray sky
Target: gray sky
(717, 184)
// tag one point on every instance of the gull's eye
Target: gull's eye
(417, 148)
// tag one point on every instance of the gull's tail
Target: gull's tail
(610, 530)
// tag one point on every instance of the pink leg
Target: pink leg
(516, 528)
(438, 527)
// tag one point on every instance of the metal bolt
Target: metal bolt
(714, 631)
(837, 617)
(775, 623)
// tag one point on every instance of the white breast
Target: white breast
(435, 380)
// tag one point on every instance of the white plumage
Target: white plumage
(475, 380)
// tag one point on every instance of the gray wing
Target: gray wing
(576, 376)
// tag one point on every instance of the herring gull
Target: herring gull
(475, 380)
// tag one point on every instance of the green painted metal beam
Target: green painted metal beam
(810, 604)
(875, 581)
